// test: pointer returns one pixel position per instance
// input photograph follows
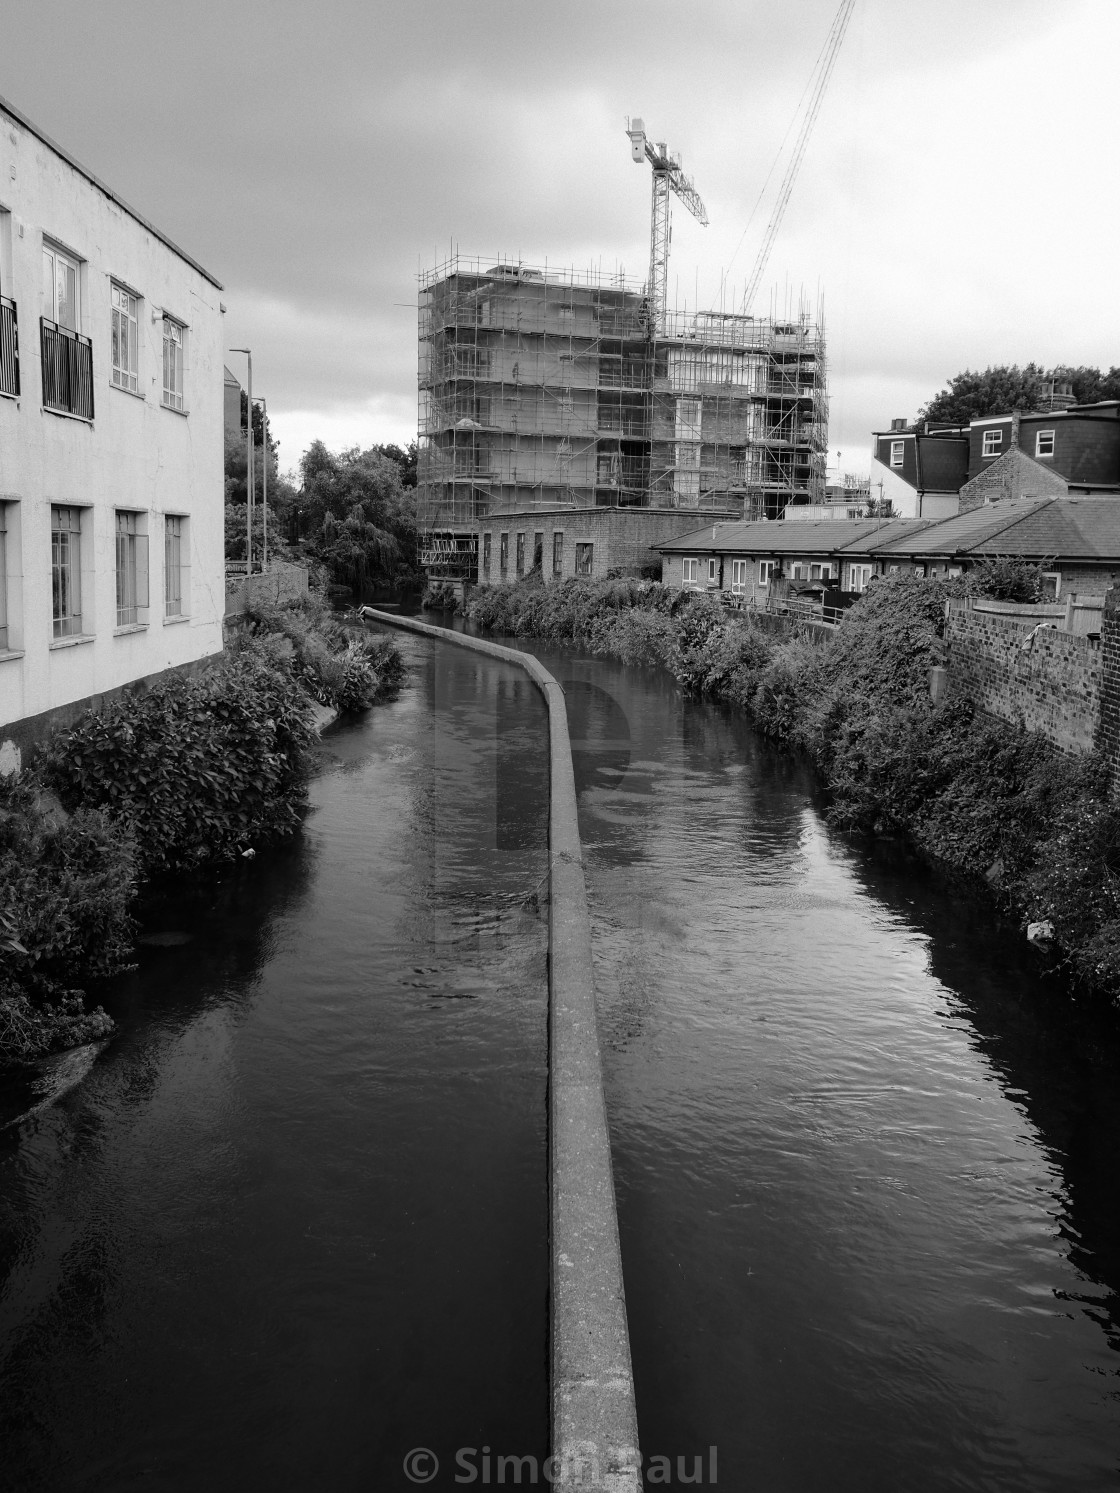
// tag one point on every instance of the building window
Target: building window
(766, 568)
(503, 555)
(3, 578)
(690, 571)
(174, 336)
(858, 577)
(538, 551)
(61, 288)
(738, 577)
(521, 554)
(175, 571)
(66, 571)
(486, 538)
(585, 555)
(713, 572)
(124, 340)
(821, 571)
(558, 552)
(798, 571)
(1044, 443)
(993, 440)
(897, 450)
(1051, 584)
(132, 570)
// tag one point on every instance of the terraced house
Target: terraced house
(111, 494)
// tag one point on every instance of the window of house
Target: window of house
(132, 569)
(521, 554)
(557, 552)
(124, 340)
(3, 578)
(585, 557)
(503, 554)
(713, 572)
(897, 449)
(820, 570)
(798, 572)
(766, 569)
(690, 571)
(538, 551)
(993, 440)
(66, 571)
(61, 288)
(858, 577)
(1052, 584)
(1044, 443)
(175, 568)
(174, 339)
(738, 577)
(486, 554)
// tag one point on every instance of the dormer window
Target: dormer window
(1044, 443)
(897, 449)
(993, 440)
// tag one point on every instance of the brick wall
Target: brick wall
(621, 538)
(1051, 681)
(1108, 727)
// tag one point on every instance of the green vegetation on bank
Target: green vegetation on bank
(188, 772)
(978, 795)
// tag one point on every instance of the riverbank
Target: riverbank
(997, 806)
(187, 773)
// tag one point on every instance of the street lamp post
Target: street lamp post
(249, 465)
(264, 483)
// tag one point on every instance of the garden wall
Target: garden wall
(1015, 663)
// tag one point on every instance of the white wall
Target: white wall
(895, 489)
(135, 454)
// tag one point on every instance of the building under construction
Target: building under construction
(543, 389)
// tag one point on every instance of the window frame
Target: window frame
(860, 571)
(690, 570)
(56, 253)
(897, 453)
(487, 553)
(172, 398)
(713, 571)
(585, 557)
(558, 552)
(991, 444)
(67, 619)
(503, 554)
(1039, 437)
(131, 568)
(127, 379)
(5, 646)
(519, 561)
(766, 570)
(738, 577)
(175, 532)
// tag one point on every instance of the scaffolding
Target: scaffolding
(544, 388)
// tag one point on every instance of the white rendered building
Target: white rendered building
(111, 444)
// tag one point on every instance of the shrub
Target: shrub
(194, 769)
(66, 884)
(341, 665)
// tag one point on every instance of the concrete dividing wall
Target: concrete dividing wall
(279, 583)
(1022, 668)
(594, 1415)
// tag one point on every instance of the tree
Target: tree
(1006, 387)
(355, 514)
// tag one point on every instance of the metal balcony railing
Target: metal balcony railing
(67, 370)
(9, 347)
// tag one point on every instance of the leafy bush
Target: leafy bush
(194, 769)
(440, 598)
(340, 665)
(66, 884)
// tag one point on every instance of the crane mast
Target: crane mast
(667, 177)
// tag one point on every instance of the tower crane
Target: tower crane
(825, 63)
(667, 177)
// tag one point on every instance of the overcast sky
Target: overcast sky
(957, 205)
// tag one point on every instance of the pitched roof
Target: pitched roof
(1032, 528)
(791, 537)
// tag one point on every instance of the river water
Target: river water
(293, 1222)
(867, 1158)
